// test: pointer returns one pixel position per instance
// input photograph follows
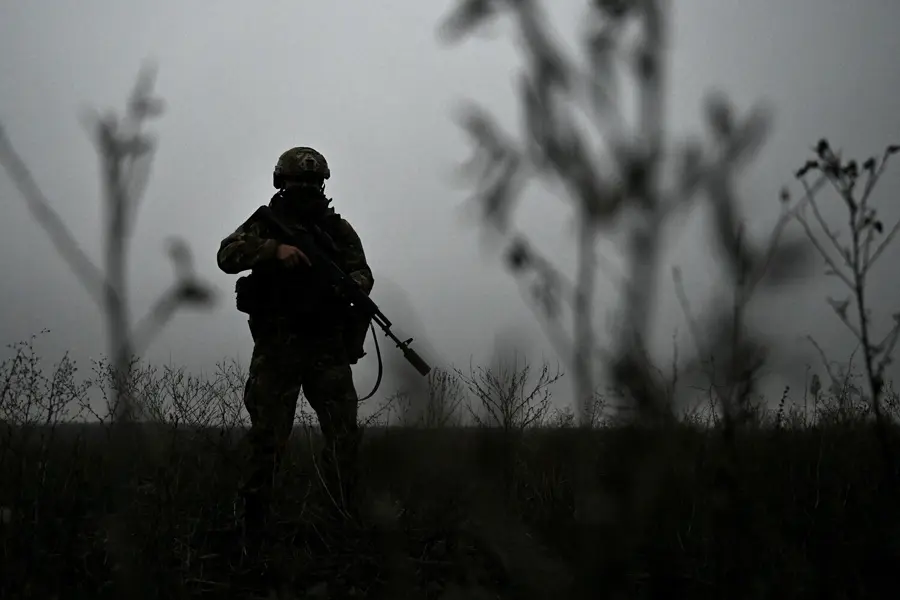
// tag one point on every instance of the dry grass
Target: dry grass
(451, 508)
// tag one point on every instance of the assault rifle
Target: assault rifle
(349, 290)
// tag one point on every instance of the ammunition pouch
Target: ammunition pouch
(250, 298)
(246, 294)
(355, 331)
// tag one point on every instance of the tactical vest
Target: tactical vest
(292, 294)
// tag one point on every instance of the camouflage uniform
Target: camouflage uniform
(298, 326)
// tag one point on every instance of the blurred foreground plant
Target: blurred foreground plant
(558, 96)
(576, 136)
(125, 151)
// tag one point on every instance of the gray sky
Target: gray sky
(374, 90)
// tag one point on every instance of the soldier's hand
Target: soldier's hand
(291, 256)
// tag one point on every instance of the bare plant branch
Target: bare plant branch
(511, 398)
(88, 274)
(864, 226)
(125, 152)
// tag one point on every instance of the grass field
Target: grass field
(789, 506)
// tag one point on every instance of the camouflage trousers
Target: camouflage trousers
(283, 364)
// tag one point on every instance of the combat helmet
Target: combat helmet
(301, 164)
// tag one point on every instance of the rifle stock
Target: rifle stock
(348, 288)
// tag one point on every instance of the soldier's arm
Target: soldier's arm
(354, 257)
(245, 248)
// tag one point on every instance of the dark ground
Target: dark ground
(799, 512)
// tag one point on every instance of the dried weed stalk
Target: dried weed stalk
(558, 95)
(510, 396)
(125, 150)
(852, 262)
(575, 134)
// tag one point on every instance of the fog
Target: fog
(374, 90)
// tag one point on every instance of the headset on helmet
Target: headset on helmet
(300, 164)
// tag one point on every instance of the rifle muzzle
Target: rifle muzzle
(416, 361)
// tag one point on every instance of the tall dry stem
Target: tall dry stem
(125, 151)
(612, 173)
(852, 263)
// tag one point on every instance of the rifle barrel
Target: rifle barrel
(354, 293)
